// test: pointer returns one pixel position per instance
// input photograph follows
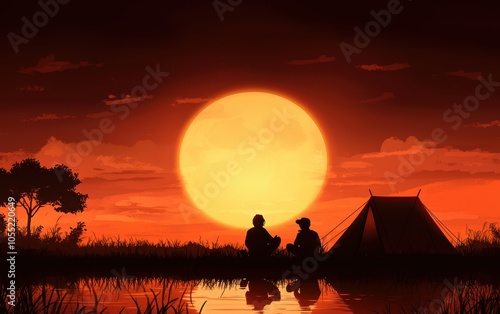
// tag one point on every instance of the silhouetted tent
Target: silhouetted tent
(393, 225)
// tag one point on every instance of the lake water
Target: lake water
(258, 295)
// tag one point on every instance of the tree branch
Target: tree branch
(36, 208)
(23, 203)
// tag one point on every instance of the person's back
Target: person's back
(307, 242)
(258, 240)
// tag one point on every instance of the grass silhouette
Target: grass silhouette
(470, 298)
(55, 253)
(484, 242)
(49, 299)
(97, 260)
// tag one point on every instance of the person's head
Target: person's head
(258, 221)
(304, 223)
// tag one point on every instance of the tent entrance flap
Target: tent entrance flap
(370, 241)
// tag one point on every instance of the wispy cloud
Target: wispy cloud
(190, 100)
(49, 64)
(393, 146)
(383, 96)
(387, 67)
(414, 161)
(491, 124)
(320, 59)
(115, 218)
(138, 160)
(355, 165)
(112, 100)
(467, 75)
(32, 88)
(49, 116)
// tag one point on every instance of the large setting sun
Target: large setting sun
(249, 153)
(207, 157)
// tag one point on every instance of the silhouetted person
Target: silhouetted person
(307, 293)
(261, 293)
(307, 241)
(258, 241)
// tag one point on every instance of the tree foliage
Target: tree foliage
(34, 187)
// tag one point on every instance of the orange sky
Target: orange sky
(146, 199)
(417, 108)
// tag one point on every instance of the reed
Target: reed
(49, 299)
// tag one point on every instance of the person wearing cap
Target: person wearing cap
(307, 241)
(258, 240)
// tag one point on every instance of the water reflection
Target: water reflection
(261, 295)
(261, 292)
(307, 292)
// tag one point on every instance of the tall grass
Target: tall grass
(55, 253)
(485, 241)
(482, 242)
(470, 298)
(54, 242)
(49, 299)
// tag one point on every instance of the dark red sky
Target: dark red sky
(371, 110)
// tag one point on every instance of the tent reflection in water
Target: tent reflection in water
(394, 225)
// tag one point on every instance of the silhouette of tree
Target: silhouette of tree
(4, 189)
(34, 187)
(3, 223)
(4, 195)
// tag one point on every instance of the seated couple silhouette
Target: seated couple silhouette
(261, 244)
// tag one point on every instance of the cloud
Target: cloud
(358, 183)
(426, 156)
(7, 159)
(393, 146)
(491, 124)
(115, 218)
(467, 75)
(412, 163)
(355, 165)
(383, 96)
(320, 59)
(32, 88)
(49, 64)
(116, 159)
(112, 100)
(187, 100)
(388, 67)
(49, 116)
